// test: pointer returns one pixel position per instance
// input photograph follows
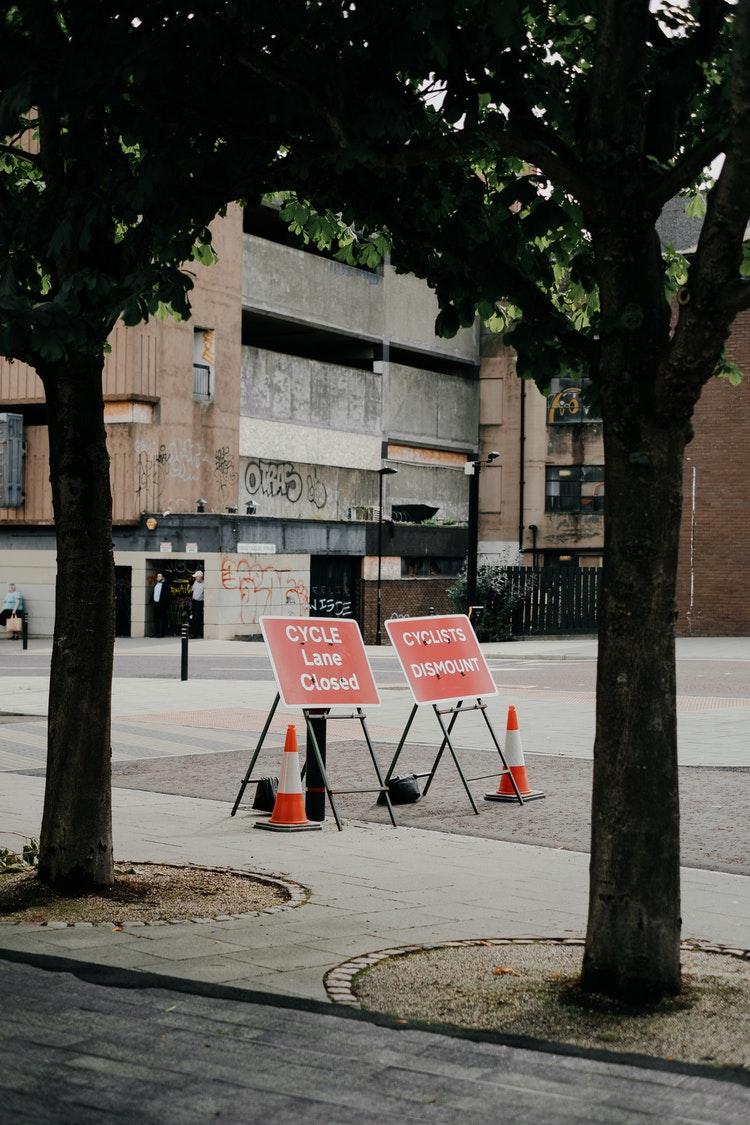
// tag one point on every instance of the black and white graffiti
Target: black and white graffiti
(274, 478)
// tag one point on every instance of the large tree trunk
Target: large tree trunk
(76, 838)
(632, 946)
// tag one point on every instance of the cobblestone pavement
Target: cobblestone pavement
(75, 1051)
(715, 802)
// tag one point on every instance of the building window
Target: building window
(430, 568)
(566, 402)
(574, 488)
(203, 364)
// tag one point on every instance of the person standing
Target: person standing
(160, 597)
(12, 605)
(196, 612)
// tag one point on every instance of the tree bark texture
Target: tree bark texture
(632, 945)
(76, 837)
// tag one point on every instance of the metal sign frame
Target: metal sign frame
(458, 706)
(454, 712)
(309, 714)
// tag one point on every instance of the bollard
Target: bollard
(315, 795)
(24, 631)
(184, 654)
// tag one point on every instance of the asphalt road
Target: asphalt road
(694, 677)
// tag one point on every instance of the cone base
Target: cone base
(504, 798)
(309, 827)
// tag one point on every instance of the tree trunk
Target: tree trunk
(76, 838)
(632, 945)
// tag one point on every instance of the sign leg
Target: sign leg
(400, 746)
(440, 752)
(370, 747)
(316, 762)
(254, 758)
(447, 738)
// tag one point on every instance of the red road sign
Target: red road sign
(319, 662)
(441, 658)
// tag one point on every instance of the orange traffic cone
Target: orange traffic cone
(513, 753)
(289, 807)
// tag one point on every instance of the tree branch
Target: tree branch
(659, 189)
(535, 143)
(22, 154)
(719, 251)
(715, 293)
(617, 104)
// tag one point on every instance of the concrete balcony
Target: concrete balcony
(292, 285)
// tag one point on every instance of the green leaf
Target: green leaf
(696, 207)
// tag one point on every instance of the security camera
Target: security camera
(492, 456)
(200, 504)
(167, 513)
(231, 510)
(251, 508)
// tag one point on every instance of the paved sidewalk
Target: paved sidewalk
(78, 1052)
(371, 887)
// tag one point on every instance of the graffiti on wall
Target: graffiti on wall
(316, 490)
(261, 587)
(273, 478)
(179, 460)
(282, 478)
(224, 471)
(330, 607)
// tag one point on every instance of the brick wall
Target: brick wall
(719, 524)
(406, 597)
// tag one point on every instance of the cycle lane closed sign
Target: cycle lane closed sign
(319, 662)
(441, 658)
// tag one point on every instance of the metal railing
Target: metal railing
(202, 381)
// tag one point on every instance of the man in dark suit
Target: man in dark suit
(160, 597)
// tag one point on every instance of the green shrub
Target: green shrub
(496, 597)
(12, 861)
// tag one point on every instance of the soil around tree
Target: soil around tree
(530, 990)
(143, 892)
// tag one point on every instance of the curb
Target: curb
(298, 896)
(339, 982)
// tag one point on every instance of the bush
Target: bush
(496, 597)
(12, 861)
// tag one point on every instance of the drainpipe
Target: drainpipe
(522, 465)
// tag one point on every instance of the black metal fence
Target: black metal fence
(554, 599)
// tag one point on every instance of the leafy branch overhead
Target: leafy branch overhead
(487, 162)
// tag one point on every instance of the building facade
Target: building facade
(250, 443)
(542, 502)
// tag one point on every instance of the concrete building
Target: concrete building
(542, 503)
(249, 441)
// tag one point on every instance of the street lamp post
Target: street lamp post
(384, 471)
(473, 468)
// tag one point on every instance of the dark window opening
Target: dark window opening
(430, 568)
(574, 488)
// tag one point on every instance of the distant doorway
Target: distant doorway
(123, 600)
(179, 574)
(334, 586)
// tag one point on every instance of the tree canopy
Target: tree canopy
(516, 154)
